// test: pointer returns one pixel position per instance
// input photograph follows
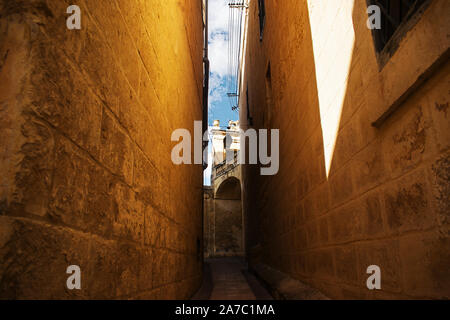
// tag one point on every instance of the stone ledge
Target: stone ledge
(283, 287)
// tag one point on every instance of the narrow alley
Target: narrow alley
(224, 150)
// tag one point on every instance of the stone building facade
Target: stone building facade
(223, 219)
(85, 123)
(364, 147)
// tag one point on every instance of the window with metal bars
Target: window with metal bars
(394, 14)
(262, 17)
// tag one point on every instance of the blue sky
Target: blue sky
(219, 106)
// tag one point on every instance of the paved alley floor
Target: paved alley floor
(228, 279)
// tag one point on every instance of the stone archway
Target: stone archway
(228, 240)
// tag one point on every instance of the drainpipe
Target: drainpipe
(205, 82)
(204, 124)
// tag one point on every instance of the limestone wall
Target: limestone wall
(348, 194)
(85, 123)
(223, 217)
(228, 227)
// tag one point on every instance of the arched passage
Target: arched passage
(228, 219)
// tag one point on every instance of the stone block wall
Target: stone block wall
(349, 195)
(223, 224)
(86, 118)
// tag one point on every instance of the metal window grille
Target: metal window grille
(393, 14)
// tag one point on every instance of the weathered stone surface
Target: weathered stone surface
(346, 264)
(281, 286)
(345, 223)
(34, 257)
(345, 185)
(86, 174)
(385, 254)
(407, 144)
(407, 204)
(440, 177)
(428, 277)
(81, 191)
(228, 227)
(223, 224)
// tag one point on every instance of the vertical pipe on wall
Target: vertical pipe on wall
(205, 81)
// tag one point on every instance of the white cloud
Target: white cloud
(218, 89)
(218, 54)
(218, 36)
(218, 50)
(218, 15)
